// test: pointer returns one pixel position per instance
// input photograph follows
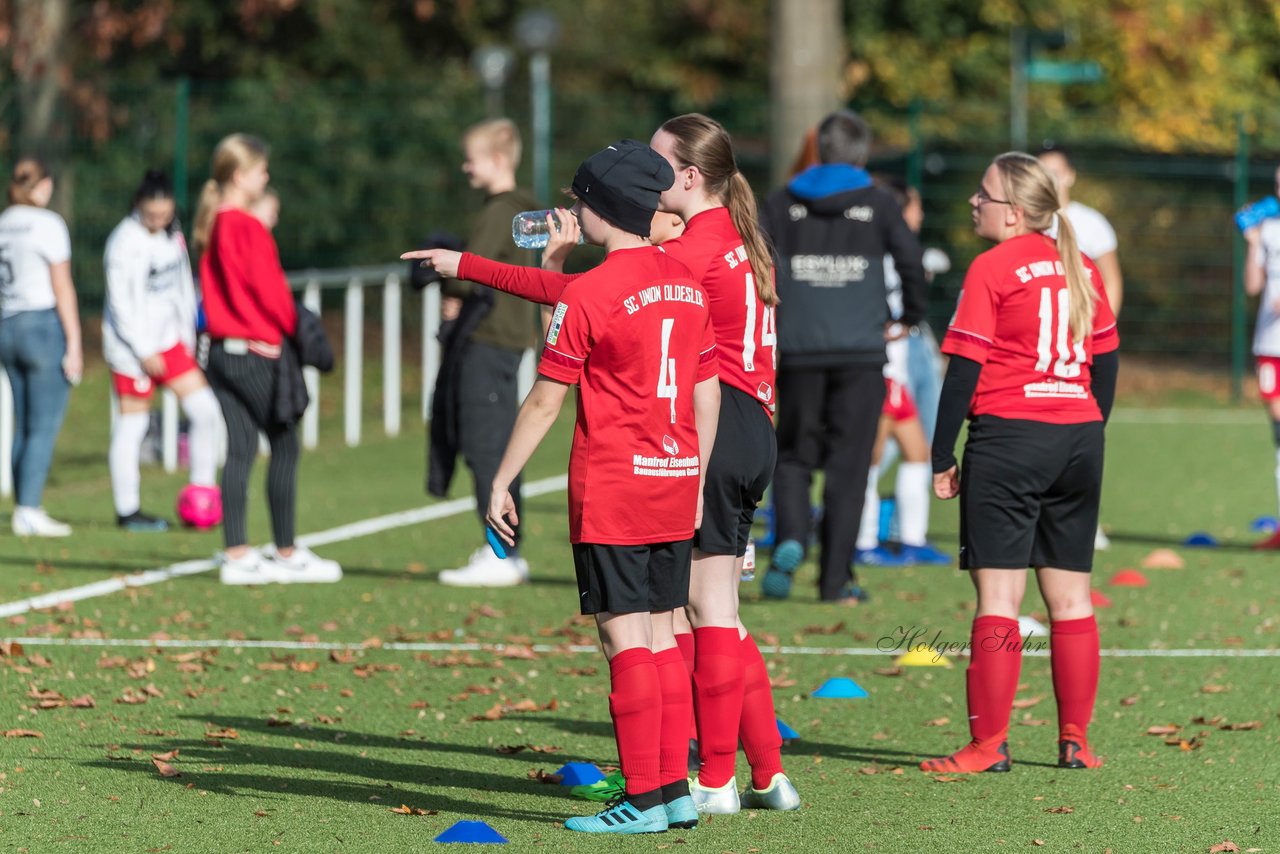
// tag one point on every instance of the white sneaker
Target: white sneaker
(1101, 542)
(486, 569)
(721, 801)
(249, 568)
(303, 566)
(35, 522)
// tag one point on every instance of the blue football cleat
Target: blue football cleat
(621, 818)
(879, 556)
(682, 814)
(925, 554)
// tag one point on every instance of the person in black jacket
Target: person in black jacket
(831, 228)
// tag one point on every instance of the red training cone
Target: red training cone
(1128, 578)
(1099, 599)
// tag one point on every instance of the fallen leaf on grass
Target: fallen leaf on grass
(131, 697)
(1061, 810)
(1168, 729)
(165, 769)
(536, 748)
(407, 810)
(189, 667)
(140, 668)
(1226, 846)
(275, 721)
(946, 778)
(1214, 689)
(341, 656)
(152, 691)
(327, 719)
(522, 651)
(869, 770)
(1185, 744)
(35, 659)
(166, 757)
(221, 733)
(1129, 701)
(1027, 703)
(1204, 721)
(823, 630)
(937, 722)
(37, 694)
(577, 671)
(888, 671)
(543, 777)
(84, 701)
(23, 733)
(304, 666)
(10, 648)
(1037, 842)
(1033, 722)
(1241, 726)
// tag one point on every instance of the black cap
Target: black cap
(622, 183)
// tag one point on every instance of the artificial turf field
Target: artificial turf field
(311, 749)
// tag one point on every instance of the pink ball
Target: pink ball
(200, 506)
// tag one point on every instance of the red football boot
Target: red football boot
(974, 758)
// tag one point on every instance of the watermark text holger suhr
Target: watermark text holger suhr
(916, 639)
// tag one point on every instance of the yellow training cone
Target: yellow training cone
(922, 656)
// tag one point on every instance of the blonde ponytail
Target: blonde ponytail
(1028, 185)
(1079, 287)
(741, 203)
(210, 196)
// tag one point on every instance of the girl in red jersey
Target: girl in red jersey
(723, 247)
(249, 312)
(634, 334)
(1033, 364)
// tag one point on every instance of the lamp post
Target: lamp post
(493, 64)
(537, 31)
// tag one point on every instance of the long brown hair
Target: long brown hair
(703, 142)
(1028, 185)
(235, 152)
(27, 172)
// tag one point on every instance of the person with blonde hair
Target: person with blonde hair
(250, 312)
(1033, 365)
(40, 342)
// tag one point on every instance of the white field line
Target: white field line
(862, 651)
(363, 528)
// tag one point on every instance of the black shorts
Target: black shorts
(740, 470)
(632, 579)
(1029, 494)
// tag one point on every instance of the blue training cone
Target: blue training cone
(579, 774)
(471, 831)
(1200, 540)
(841, 688)
(787, 733)
(1265, 525)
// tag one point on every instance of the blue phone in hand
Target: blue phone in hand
(495, 542)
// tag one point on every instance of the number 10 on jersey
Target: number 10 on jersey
(1070, 356)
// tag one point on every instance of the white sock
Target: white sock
(912, 489)
(205, 415)
(869, 531)
(126, 449)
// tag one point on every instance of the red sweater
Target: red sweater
(244, 288)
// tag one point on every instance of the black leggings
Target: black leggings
(245, 386)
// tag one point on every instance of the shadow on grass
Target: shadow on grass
(1141, 538)
(336, 752)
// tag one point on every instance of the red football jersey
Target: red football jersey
(635, 334)
(746, 336)
(1012, 318)
(712, 249)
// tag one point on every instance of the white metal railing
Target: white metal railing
(311, 283)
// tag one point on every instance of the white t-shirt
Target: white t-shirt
(31, 241)
(1094, 234)
(150, 303)
(1266, 334)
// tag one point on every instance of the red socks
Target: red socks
(717, 699)
(684, 641)
(1073, 654)
(758, 725)
(636, 707)
(677, 715)
(995, 660)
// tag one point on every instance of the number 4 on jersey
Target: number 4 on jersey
(1070, 356)
(667, 370)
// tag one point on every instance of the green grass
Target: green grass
(391, 727)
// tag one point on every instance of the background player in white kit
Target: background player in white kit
(1262, 276)
(39, 336)
(148, 339)
(1097, 240)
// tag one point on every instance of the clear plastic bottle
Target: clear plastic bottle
(749, 561)
(529, 229)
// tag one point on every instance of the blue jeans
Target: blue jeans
(924, 367)
(32, 345)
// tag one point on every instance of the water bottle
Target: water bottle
(529, 229)
(1250, 215)
(749, 561)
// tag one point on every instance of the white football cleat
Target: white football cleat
(249, 568)
(781, 794)
(486, 569)
(720, 801)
